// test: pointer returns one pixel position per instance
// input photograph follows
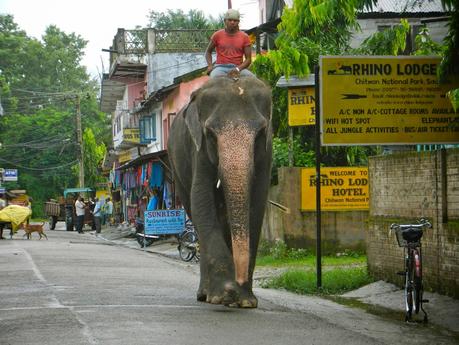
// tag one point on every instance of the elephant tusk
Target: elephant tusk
(218, 183)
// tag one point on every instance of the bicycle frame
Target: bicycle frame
(409, 237)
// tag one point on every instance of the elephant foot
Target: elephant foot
(233, 296)
(241, 296)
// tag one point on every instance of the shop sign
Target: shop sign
(124, 156)
(301, 106)
(394, 100)
(162, 222)
(341, 189)
(10, 175)
(131, 135)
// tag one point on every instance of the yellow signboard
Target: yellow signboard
(385, 100)
(301, 106)
(341, 189)
(124, 156)
(131, 135)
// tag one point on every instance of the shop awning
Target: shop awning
(160, 156)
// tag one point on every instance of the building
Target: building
(149, 81)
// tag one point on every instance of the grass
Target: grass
(334, 281)
(310, 261)
(341, 272)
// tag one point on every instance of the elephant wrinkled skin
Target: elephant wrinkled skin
(220, 152)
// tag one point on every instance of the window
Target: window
(147, 126)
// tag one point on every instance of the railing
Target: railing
(169, 41)
(131, 41)
(136, 42)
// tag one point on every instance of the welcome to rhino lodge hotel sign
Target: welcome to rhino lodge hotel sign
(385, 100)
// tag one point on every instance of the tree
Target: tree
(311, 28)
(40, 81)
(177, 19)
(93, 153)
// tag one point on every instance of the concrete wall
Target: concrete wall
(340, 230)
(176, 100)
(407, 186)
(164, 67)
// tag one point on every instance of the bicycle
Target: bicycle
(188, 246)
(409, 237)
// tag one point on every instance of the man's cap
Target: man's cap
(232, 14)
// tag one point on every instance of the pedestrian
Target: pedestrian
(28, 204)
(108, 211)
(97, 213)
(92, 205)
(2, 205)
(233, 48)
(80, 211)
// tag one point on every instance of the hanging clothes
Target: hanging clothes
(156, 179)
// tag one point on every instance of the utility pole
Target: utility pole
(80, 153)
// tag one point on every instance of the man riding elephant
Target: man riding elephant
(233, 48)
(220, 152)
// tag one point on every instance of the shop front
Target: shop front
(144, 183)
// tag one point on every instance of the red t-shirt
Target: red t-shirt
(230, 47)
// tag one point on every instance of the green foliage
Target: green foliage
(279, 252)
(302, 156)
(177, 19)
(425, 45)
(390, 41)
(93, 155)
(312, 27)
(453, 96)
(39, 82)
(335, 281)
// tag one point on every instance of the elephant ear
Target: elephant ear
(192, 122)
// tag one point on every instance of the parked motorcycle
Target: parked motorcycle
(144, 240)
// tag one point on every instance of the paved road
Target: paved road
(78, 289)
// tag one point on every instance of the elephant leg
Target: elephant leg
(216, 263)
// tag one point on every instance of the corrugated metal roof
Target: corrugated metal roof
(407, 6)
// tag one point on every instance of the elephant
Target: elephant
(220, 152)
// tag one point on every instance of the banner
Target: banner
(394, 100)
(341, 189)
(162, 222)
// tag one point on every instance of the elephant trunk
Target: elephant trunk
(236, 145)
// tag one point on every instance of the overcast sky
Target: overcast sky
(98, 20)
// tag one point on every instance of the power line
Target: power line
(39, 169)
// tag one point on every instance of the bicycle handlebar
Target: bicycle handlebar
(423, 223)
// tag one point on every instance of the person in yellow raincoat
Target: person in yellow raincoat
(16, 215)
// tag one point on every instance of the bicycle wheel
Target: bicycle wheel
(187, 247)
(416, 280)
(409, 288)
(144, 241)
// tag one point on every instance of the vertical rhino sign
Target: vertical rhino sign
(220, 151)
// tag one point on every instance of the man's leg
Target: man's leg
(97, 224)
(80, 220)
(220, 71)
(247, 73)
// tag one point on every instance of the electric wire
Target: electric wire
(39, 169)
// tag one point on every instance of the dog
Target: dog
(29, 228)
